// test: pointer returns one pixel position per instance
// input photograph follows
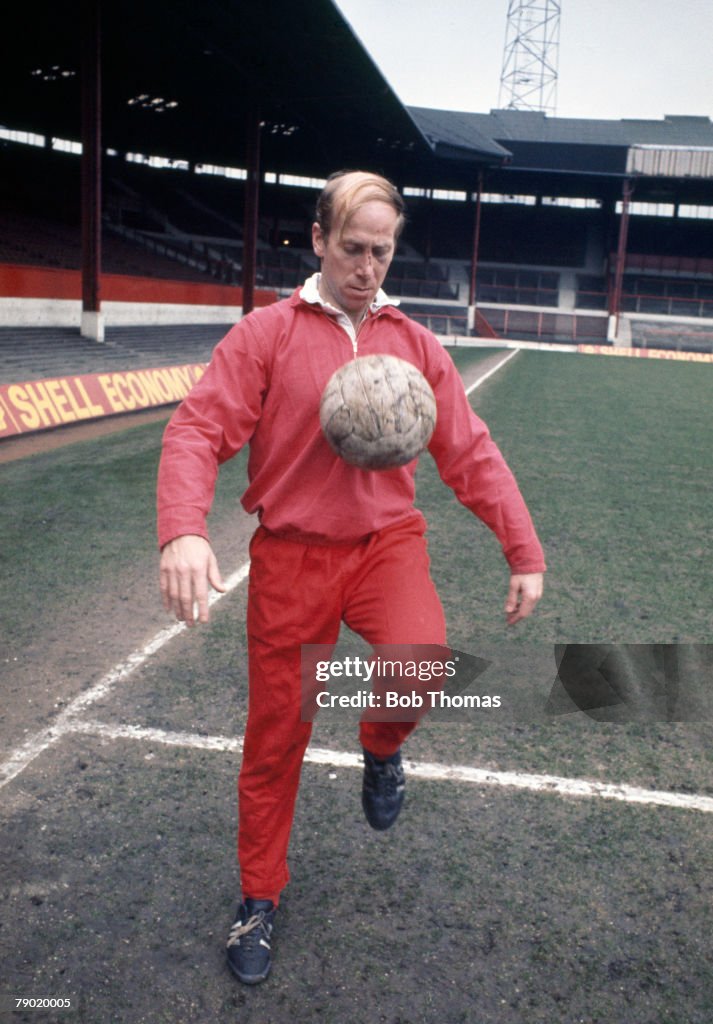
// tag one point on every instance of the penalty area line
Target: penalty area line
(66, 721)
(547, 784)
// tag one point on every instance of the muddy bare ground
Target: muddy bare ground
(478, 908)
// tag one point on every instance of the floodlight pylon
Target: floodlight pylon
(530, 59)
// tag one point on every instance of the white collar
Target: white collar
(310, 293)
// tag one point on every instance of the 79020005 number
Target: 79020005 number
(37, 1003)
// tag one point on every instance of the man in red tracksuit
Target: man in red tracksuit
(335, 543)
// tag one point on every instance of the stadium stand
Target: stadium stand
(29, 353)
(517, 286)
(441, 319)
(549, 199)
(180, 226)
(36, 241)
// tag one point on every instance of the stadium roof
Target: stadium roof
(589, 155)
(511, 126)
(179, 77)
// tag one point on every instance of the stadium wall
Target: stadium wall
(49, 297)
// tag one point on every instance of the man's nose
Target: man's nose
(366, 263)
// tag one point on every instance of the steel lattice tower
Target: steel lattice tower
(529, 75)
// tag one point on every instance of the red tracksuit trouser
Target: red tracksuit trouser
(299, 593)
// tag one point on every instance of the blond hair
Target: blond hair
(347, 191)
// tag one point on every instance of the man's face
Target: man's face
(355, 260)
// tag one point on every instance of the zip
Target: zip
(355, 339)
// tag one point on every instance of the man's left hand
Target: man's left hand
(524, 593)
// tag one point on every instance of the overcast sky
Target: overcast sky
(618, 58)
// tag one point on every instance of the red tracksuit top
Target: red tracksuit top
(263, 387)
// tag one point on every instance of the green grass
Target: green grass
(557, 909)
(615, 459)
(465, 355)
(570, 909)
(73, 519)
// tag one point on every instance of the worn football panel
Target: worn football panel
(378, 412)
(374, 396)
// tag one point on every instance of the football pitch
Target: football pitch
(488, 903)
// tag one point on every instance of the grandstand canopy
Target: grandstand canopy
(576, 157)
(179, 77)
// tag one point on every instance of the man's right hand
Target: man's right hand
(187, 567)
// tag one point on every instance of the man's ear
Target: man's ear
(318, 240)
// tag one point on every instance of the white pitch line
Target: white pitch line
(65, 721)
(498, 366)
(554, 784)
(190, 740)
